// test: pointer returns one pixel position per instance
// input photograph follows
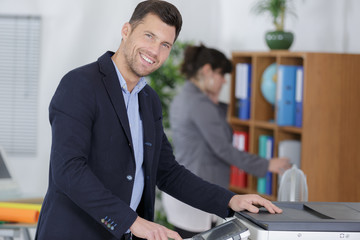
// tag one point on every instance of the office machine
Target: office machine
(304, 220)
(229, 230)
(9, 187)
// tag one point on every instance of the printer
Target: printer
(304, 221)
(230, 230)
(298, 221)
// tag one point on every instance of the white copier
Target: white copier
(305, 221)
(298, 221)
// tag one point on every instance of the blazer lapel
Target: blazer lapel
(148, 127)
(112, 85)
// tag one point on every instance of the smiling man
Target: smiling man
(109, 150)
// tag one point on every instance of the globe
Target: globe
(268, 83)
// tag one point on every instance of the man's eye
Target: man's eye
(166, 45)
(148, 35)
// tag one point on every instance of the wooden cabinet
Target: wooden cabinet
(330, 133)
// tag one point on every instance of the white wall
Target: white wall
(78, 32)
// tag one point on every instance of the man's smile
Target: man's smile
(147, 59)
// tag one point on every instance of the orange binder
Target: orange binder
(19, 215)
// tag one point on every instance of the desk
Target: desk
(12, 231)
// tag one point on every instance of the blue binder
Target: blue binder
(299, 96)
(244, 109)
(269, 155)
(243, 89)
(285, 95)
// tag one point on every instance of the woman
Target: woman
(202, 137)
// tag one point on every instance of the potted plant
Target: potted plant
(277, 9)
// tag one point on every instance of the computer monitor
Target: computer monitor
(9, 187)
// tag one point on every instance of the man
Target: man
(109, 150)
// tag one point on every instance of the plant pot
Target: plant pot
(279, 39)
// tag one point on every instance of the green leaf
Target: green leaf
(276, 9)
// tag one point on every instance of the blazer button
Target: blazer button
(129, 177)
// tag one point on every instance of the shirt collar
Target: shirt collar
(139, 86)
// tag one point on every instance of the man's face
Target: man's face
(147, 46)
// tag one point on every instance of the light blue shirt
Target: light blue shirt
(132, 106)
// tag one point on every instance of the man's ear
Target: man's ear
(126, 30)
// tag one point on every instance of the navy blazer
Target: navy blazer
(92, 165)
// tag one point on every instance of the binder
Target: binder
(285, 95)
(234, 169)
(299, 95)
(239, 83)
(269, 155)
(238, 177)
(19, 215)
(243, 89)
(31, 206)
(233, 175)
(261, 182)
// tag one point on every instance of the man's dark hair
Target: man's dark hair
(167, 12)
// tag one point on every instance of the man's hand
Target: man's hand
(248, 202)
(151, 231)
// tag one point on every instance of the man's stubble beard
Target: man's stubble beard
(132, 64)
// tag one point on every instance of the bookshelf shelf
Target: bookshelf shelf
(237, 121)
(265, 125)
(330, 132)
(294, 130)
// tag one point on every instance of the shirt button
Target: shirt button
(129, 177)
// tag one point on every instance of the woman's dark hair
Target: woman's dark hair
(196, 57)
(167, 12)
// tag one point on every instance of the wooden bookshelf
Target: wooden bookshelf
(330, 133)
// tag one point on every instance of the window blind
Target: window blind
(19, 77)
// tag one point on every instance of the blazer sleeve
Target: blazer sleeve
(209, 122)
(72, 112)
(182, 184)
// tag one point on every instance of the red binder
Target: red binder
(238, 177)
